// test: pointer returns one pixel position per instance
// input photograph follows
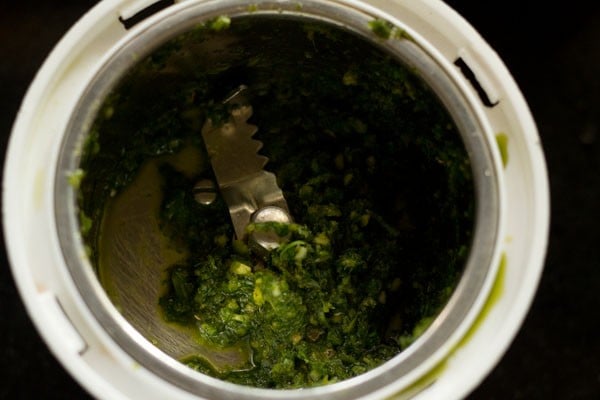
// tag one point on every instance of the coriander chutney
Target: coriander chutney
(371, 164)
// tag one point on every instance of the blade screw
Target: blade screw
(205, 192)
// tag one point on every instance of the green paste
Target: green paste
(372, 168)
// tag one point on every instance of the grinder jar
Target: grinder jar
(98, 346)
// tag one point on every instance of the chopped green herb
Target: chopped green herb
(85, 223)
(222, 22)
(381, 28)
(75, 178)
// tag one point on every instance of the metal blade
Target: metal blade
(244, 185)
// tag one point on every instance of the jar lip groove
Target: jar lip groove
(449, 325)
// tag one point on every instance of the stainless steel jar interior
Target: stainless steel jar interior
(182, 18)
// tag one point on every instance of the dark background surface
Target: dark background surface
(554, 54)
